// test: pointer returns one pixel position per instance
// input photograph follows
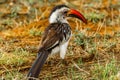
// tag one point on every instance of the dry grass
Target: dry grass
(93, 52)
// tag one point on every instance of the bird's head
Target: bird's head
(61, 12)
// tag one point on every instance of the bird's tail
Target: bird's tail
(37, 65)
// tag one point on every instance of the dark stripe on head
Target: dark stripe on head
(58, 7)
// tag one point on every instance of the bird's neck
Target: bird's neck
(57, 19)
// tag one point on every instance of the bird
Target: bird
(56, 37)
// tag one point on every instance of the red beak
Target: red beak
(76, 14)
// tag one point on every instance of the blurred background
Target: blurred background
(93, 52)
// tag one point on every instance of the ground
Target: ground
(93, 52)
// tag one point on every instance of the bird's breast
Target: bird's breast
(63, 33)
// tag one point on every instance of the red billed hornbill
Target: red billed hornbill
(56, 37)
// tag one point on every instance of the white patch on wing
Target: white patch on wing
(54, 44)
(63, 49)
(55, 50)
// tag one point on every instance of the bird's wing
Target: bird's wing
(52, 36)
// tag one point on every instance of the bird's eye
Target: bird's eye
(65, 12)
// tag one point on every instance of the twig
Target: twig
(80, 68)
(8, 70)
